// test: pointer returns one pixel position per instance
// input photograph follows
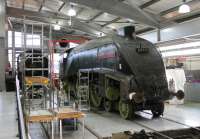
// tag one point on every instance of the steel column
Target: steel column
(2, 45)
(13, 53)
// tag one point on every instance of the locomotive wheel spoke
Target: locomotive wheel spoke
(95, 98)
(108, 105)
(126, 110)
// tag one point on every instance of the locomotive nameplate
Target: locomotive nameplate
(141, 49)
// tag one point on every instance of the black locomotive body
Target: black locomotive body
(125, 74)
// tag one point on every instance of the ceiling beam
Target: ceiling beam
(60, 8)
(151, 17)
(23, 3)
(177, 7)
(144, 30)
(182, 18)
(10, 23)
(77, 21)
(94, 17)
(42, 4)
(112, 21)
(119, 9)
(79, 11)
(147, 4)
(51, 18)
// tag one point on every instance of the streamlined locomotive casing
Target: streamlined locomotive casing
(135, 64)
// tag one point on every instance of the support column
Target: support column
(158, 35)
(2, 45)
(13, 54)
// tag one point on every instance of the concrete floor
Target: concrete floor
(107, 123)
(8, 116)
(187, 113)
(102, 123)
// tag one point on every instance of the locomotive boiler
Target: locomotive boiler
(127, 74)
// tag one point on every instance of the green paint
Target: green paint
(126, 110)
(95, 98)
(112, 93)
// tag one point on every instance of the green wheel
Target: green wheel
(95, 97)
(108, 106)
(125, 109)
(112, 93)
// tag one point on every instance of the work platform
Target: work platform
(8, 116)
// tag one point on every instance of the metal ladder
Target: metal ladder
(83, 90)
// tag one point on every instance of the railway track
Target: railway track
(166, 136)
(183, 132)
(171, 120)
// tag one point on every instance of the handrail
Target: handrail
(21, 124)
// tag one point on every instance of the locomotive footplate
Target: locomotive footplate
(188, 133)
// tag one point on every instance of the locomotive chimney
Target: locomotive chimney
(127, 32)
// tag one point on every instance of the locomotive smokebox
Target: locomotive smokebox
(127, 32)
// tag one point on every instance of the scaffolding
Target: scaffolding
(44, 108)
(36, 83)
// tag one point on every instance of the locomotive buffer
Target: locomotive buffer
(83, 90)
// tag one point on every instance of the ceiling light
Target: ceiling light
(56, 27)
(180, 46)
(72, 11)
(184, 8)
(181, 53)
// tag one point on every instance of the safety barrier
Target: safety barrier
(21, 124)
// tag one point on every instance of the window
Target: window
(32, 41)
(9, 38)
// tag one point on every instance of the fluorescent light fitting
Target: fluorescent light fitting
(181, 53)
(184, 8)
(71, 11)
(57, 27)
(180, 46)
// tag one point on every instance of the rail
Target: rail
(21, 124)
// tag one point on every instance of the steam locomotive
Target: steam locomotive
(127, 74)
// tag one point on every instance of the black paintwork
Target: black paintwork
(136, 63)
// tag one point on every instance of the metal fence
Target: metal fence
(21, 124)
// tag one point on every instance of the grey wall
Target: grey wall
(192, 92)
